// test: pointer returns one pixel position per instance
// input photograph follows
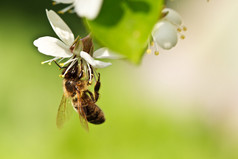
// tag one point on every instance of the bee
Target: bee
(76, 89)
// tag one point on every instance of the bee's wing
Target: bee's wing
(64, 111)
(81, 112)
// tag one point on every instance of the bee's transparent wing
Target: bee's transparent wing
(64, 111)
(81, 112)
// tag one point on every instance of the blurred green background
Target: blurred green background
(151, 110)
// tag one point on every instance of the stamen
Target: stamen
(73, 62)
(60, 12)
(89, 82)
(54, 3)
(61, 76)
(70, 11)
(185, 28)
(90, 73)
(70, 60)
(179, 29)
(156, 48)
(61, 59)
(95, 74)
(150, 45)
(148, 51)
(182, 37)
(49, 61)
(156, 53)
(66, 9)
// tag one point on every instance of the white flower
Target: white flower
(84, 8)
(165, 32)
(165, 35)
(68, 46)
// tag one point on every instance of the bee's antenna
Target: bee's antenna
(60, 67)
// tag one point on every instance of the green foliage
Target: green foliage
(134, 128)
(124, 26)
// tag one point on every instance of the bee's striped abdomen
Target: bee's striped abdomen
(94, 114)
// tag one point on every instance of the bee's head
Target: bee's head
(72, 72)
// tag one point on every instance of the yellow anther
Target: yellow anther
(179, 29)
(152, 43)
(148, 51)
(60, 12)
(156, 53)
(89, 82)
(182, 37)
(49, 63)
(61, 64)
(62, 76)
(185, 28)
(70, 11)
(42, 63)
(54, 3)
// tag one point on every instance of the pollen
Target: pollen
(61, 64)
(49, 63)
(60, 12)
(152, 43)
(61, 76)
(185, 28)
(182, 37)
(148, 51)
(156, 53)
(42, 63)
(179, 29)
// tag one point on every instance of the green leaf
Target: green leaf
(124, 26)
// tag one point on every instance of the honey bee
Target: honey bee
(76, 89)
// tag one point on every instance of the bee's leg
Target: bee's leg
(60, 67)
(91, 95)
(97, 87)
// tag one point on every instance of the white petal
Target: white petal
(64, 1)
(106, 53)
(60, 28)
(52, 46)
(88, 8)
(91, 61)
(165, 35)
(172, 16)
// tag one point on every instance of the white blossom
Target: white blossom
(84, 8)
(65, 47)
(165, 32)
